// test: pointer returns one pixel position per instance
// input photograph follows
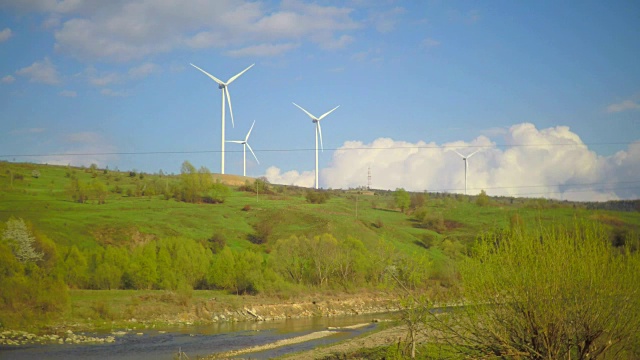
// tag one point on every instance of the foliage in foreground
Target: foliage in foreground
(550, 293)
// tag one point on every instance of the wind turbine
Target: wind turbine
(316, 120)
(225, 92)
(245, 144)
(466, 167)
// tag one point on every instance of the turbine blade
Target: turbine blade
(233, 78)
(306, 112)
(235, 141)
(249, 133)
(226, 90)
(320, 131)
(211, 76)
(462, 156)
(473, 153)
(328, 112)
(254, 154)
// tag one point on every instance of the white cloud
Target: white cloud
(5, 34)
(123, 31)
(8, 79)
(41, 72)
(623, 106)
(554, 163)
(262, 50)
(68, 93)
(293, 177)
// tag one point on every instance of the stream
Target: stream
(197, 341)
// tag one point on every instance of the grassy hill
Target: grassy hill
(40, 194)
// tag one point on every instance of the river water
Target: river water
(200, 340)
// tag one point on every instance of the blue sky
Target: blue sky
(548, 91)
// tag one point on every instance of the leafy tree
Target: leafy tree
(100, 191)
(221, 273)
(288, 257)
(21, 241)
(248, 272)
(482, 199)
(217, 193)
(143, 269)
(75, 268)
(401, 199)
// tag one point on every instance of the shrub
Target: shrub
(263, 230)
(216, 243)
(317, 197)
(246, 207)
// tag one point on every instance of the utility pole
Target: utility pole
(356, 206)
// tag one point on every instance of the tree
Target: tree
(21, 241)
(546, 293)
(482, 199)
(401, 199)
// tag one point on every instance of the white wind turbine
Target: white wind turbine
(466, 166)
(316, 120)
(245, 144)
(225, 92)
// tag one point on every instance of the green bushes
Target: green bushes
(317, 197)
(549, 293)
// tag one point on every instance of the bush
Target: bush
(216, 243)
(246, 207)
(263, 230)
(550, 293)
(482, 199)
(317, 197)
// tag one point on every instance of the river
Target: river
(197, 341)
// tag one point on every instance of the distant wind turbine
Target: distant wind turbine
(316, 120)
(225, 92)
(466, 167)
(245, 144)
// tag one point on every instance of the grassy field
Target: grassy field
(46, 203)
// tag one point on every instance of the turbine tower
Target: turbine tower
(316, 120)
(225, 93)
(245, 144)
(466, 167)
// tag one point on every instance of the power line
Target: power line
(313, 149)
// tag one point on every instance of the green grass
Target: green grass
(46, 203)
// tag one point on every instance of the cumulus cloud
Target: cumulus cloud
(292, 177)
(124, 31)
(41, 72)
(551, 162)
(623, 106)
(5, 34)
